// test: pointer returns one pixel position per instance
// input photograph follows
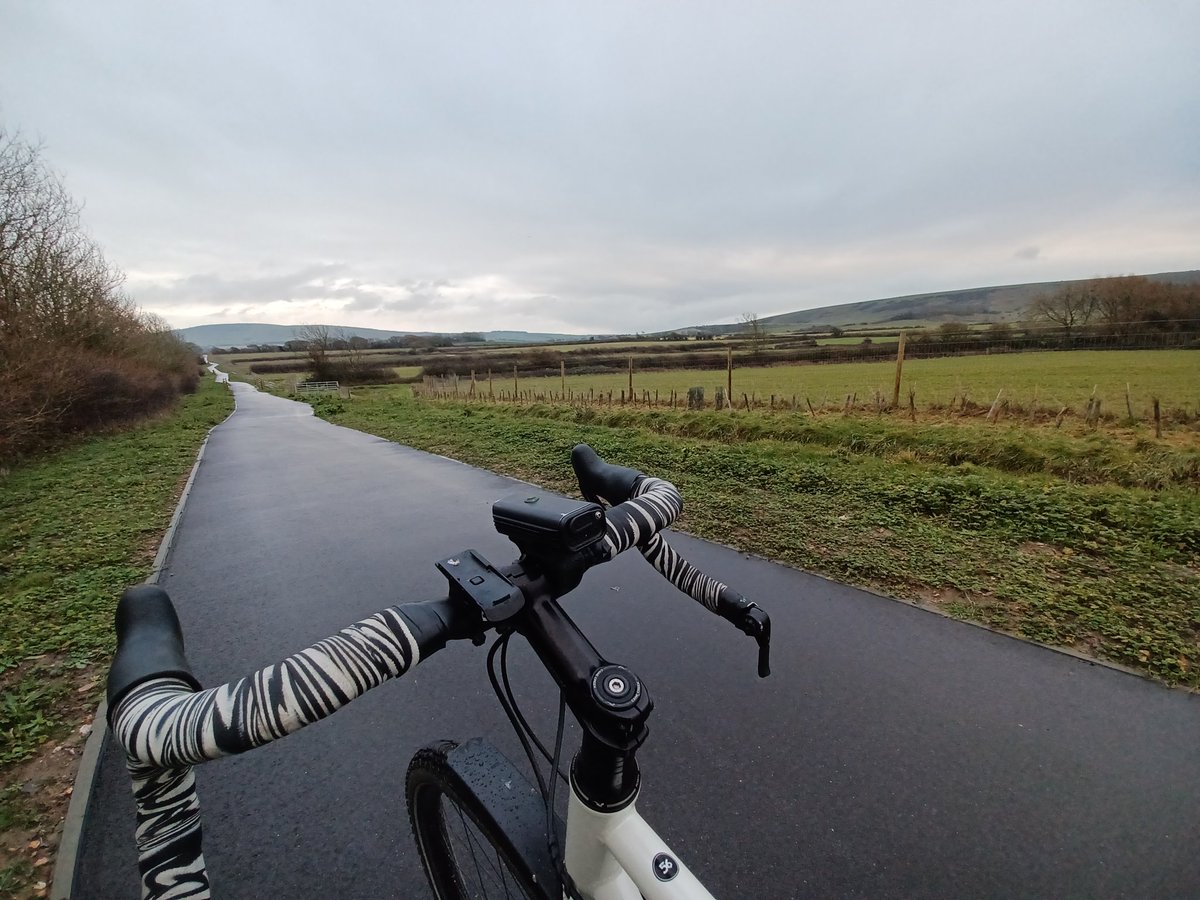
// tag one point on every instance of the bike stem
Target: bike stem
(609, 701)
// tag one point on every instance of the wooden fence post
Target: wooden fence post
(729, 375)
(899, 367)
(515, 388)
(1157, 420)
(631, 376)
(991, 416)
(562, 374)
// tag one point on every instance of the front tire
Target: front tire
(466, 852)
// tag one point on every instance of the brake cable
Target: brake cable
(502, 687)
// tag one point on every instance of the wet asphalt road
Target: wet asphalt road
(893, 753)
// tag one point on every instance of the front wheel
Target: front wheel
(479, 826)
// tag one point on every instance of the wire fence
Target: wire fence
(999, 383)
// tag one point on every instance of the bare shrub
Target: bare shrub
(75, 351)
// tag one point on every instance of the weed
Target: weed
(14, 812)
(16, 877)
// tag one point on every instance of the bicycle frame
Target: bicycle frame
(618, 856)
(611, 852)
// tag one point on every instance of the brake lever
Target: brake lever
(753, 621)
(757, 624)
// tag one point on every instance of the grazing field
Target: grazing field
(1088, 539)
(855, 341)
(1050, 380)
(593, 346)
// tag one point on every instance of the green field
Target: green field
(597, 346)
(1044, 380)
(855, 341)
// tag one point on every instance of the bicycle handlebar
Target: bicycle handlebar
(149, 642)
(645, 507)
(602, 481)
(167, 724)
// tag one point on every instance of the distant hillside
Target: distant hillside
(242, 334)
(983, 304)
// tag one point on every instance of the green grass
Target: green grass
(1011, 537)
(16, 879)
(76, 528)
(856, 341)
(1051, 380)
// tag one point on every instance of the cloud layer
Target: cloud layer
(609, 167)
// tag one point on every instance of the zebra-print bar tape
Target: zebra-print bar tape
(654, 506)
(163, 723)
(166, 726)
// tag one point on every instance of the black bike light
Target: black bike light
(542, 523)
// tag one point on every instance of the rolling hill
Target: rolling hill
(1007, 302)
(242, 334)
(982, 304)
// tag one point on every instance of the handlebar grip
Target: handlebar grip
(599, 480)
(149, 642)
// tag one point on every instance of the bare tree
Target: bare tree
(758, 334)
(318, 342)
(1070, 308)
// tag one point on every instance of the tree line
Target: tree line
(1123, 306)
(336, 339)
(76, 353)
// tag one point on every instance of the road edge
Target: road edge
(938, 611)
(62, 883)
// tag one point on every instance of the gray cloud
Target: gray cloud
(612, 166)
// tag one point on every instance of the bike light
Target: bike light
(541, 523)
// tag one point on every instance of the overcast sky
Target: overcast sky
(609, 167)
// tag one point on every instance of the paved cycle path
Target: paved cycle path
(893, 753)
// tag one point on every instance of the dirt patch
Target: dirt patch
(1090, 645)
(1179, 569)
(38, 791)
(1037, 548)
(940, 596)
(147, 551)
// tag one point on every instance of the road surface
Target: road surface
(893, 753)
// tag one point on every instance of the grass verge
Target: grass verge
(1090, 555)
(76, 528)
